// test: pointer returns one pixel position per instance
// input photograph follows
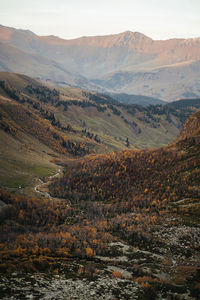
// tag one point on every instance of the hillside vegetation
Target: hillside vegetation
(31, 142)
(138, 177)
(131, 216)
(40, 125)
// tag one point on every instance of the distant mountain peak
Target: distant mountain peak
(129, 33)
(126, 39)
(130, 39)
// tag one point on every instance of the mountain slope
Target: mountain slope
(136, 99)
(134, 176)
(92, 114)
(31, 140)
(128, 62)
(129, 220)
(170, 82)
(13, 59)
(161, 52)
(146, 202)
(50, 123)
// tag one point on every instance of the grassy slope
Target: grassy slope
(22, 161)
(28, 150)
(17, 80)
(137, 99)
(35, 140)
(113, 130)
(22, 157)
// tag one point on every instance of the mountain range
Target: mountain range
(128, 62)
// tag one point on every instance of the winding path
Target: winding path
(42, 183)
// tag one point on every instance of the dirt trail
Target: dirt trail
(42, 184)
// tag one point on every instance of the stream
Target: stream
(46, 194)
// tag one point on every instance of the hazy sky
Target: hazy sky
(159, 19)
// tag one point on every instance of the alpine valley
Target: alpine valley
(99, 167)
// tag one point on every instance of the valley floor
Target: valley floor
(121, 226)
